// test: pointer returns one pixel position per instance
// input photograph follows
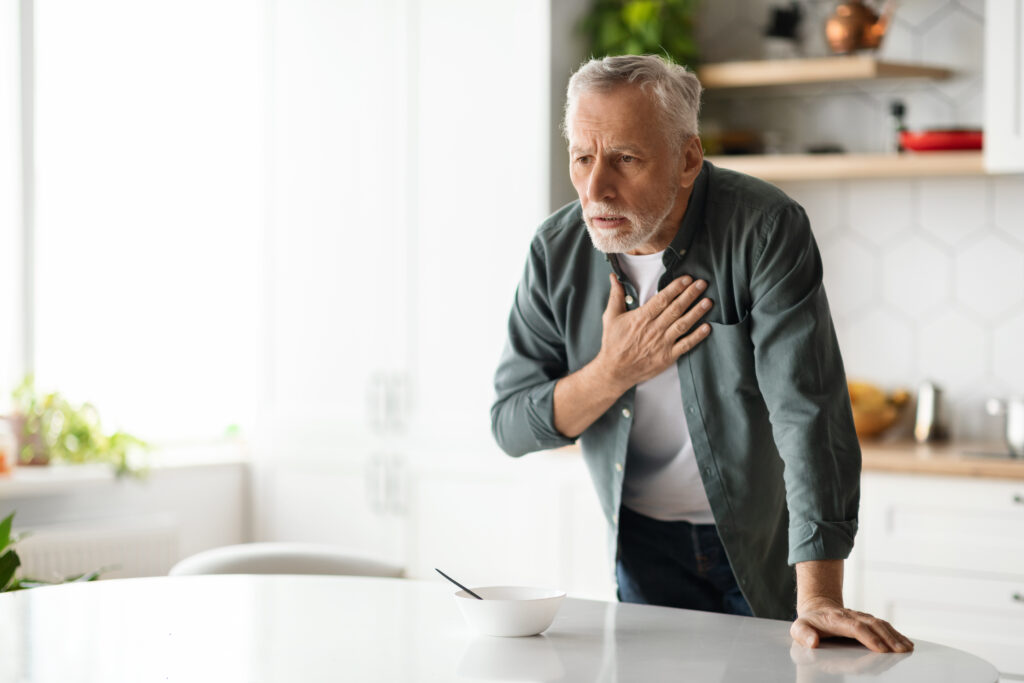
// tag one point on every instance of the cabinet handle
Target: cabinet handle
(1018, 498)
(1017, 597)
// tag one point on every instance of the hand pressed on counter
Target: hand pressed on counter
(820, 612)
(635, 346)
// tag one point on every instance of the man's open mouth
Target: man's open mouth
(608, 221)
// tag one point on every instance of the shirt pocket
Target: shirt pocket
(727, 355)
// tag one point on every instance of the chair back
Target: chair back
(284, 558)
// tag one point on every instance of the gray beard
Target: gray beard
(641, 229)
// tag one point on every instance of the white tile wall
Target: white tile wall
(925, 276)
(929, 284)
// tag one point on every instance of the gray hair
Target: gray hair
(675, 90)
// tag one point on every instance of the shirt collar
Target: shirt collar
(693, 218)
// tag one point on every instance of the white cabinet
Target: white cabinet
(1004, 85)
(943, 559)
(333, 503)
(533, 521)
(409, 168)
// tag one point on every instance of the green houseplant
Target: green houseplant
(622, 27)
(9, 563)
(52, 429)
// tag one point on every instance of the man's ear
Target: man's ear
(693, 160)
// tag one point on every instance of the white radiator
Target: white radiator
(119, 548)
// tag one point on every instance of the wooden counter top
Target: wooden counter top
(957, 459)
(952, 458)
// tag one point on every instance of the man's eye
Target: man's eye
(627, 159)
(582, 160)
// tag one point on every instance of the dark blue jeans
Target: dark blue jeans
(675, 564)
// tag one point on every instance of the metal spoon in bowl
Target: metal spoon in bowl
(457, 583)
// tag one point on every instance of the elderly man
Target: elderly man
(692, 353)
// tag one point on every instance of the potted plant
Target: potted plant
(624, 27)
(52, 429)
(9, 563)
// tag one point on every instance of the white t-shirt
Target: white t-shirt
(661, 479)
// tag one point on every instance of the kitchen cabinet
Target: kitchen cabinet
(534, 520)
(402, 202)
(1004, 85)
(942, 557)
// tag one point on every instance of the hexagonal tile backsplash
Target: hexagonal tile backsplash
(938, 295)
(925, 276)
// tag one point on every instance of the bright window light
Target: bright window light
(150, 174)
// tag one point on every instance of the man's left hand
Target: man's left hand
(821, 617)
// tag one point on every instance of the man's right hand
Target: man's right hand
(639, 344)
(635, 346)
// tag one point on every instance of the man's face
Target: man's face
(625, 170)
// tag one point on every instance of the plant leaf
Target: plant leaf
(5, 531)
(9, 563)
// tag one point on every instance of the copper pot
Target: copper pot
(855, 26)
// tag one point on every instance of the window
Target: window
(149, 210)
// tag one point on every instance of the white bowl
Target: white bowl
(510, 610)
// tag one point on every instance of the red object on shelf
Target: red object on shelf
(932, 140)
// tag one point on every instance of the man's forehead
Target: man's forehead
(622, 116)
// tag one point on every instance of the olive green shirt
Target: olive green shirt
(765, 394)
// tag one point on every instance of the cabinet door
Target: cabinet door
(337, 504)
(482, 167)
(982, 616)
(1004, 85)
(339, 191)
(955, 524)
(513, 521)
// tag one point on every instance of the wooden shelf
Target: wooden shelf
(778, 167)
(813, 70)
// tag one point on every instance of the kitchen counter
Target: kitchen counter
(265, 629)
(965, 459)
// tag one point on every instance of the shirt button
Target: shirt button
(615, 519)
(626, 412)
(629, 299)
(618, 467)
(691, 410)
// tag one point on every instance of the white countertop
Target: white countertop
(316, 628)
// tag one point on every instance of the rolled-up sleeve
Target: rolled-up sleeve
(533, 360)
(801, 377)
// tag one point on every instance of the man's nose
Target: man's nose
(600, 185)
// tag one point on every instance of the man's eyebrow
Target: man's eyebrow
(616, 149)
(625, 149)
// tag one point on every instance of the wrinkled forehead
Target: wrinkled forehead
(625, 114)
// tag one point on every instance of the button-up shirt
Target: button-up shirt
(765, 394)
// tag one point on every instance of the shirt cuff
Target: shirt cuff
(819, 540)
(541, 416)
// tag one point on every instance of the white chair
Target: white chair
(283, 558)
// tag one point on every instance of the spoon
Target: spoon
(457, 583)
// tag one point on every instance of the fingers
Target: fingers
(805, 634)
(681, 304)
(686, 344)
(876, 634)
(660, 301)
(681, 325)
(616, 297)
